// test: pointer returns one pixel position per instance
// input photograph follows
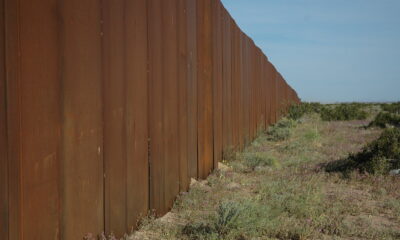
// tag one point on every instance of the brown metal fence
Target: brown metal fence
(108, 108)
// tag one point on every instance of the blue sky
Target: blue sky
(328, 50)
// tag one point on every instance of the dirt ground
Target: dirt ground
(280, 190)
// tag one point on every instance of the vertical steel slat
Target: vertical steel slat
(137, 107)
(272, 77)
(192, 86)
(83, 173)
(40, 118)
(234, 86)
(156, 111)
(183, 95)
(204, 73)
(227, 76)
(217, 81)
(12, 48)
(114, 117)
(253, 91)
(170, 100)
(240, 91)
(3, 134)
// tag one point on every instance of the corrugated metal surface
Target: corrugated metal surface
(82, 109)
(204, 88)
(217, 80)
(13, 119)
(170, 101)
(192, 86)
(137, 111)
(183, 94)
(227, 81)
(40, 119)
(107, 108)
(156, 111)
(125, 131)
(3, 135)
(115, 145)
(235, 87)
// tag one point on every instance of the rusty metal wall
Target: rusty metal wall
(240, 92)
(184, 180)
(204, 88)
(156, 125)
(3, 134)
(227, 81)
(13, 118)
(40, 119)
(235, 85)
(217, 80)
(125, 131)
(108, 108)
(192, 86)
(82, 113)
(247, 94)
(170, 100)
(115, 145)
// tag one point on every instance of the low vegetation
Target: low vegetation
(378, 157)
(332, 112)
(281, 130)
(278, 188)
(343, 112)
(391, 107)
(386, 119)
(296, 111)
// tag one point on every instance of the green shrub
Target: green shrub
(297, 111)
(378, 157)
(227, 216)
(258, 159)
(282, 130)
(384, 119)
(343, 112)
(224, 221)
(391, 107)
(198, 231)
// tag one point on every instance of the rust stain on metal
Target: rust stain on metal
(156, 111)
(170, 101)
(3, 134)
(82, 157)
(192, 86)
(204, 91)
(137, 117)
(217, 81)
(182, 17)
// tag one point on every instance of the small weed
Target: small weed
(225, 220)
(229, 154)
(259, 159)
(293, 197)
(227, 216)
(311, 135)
